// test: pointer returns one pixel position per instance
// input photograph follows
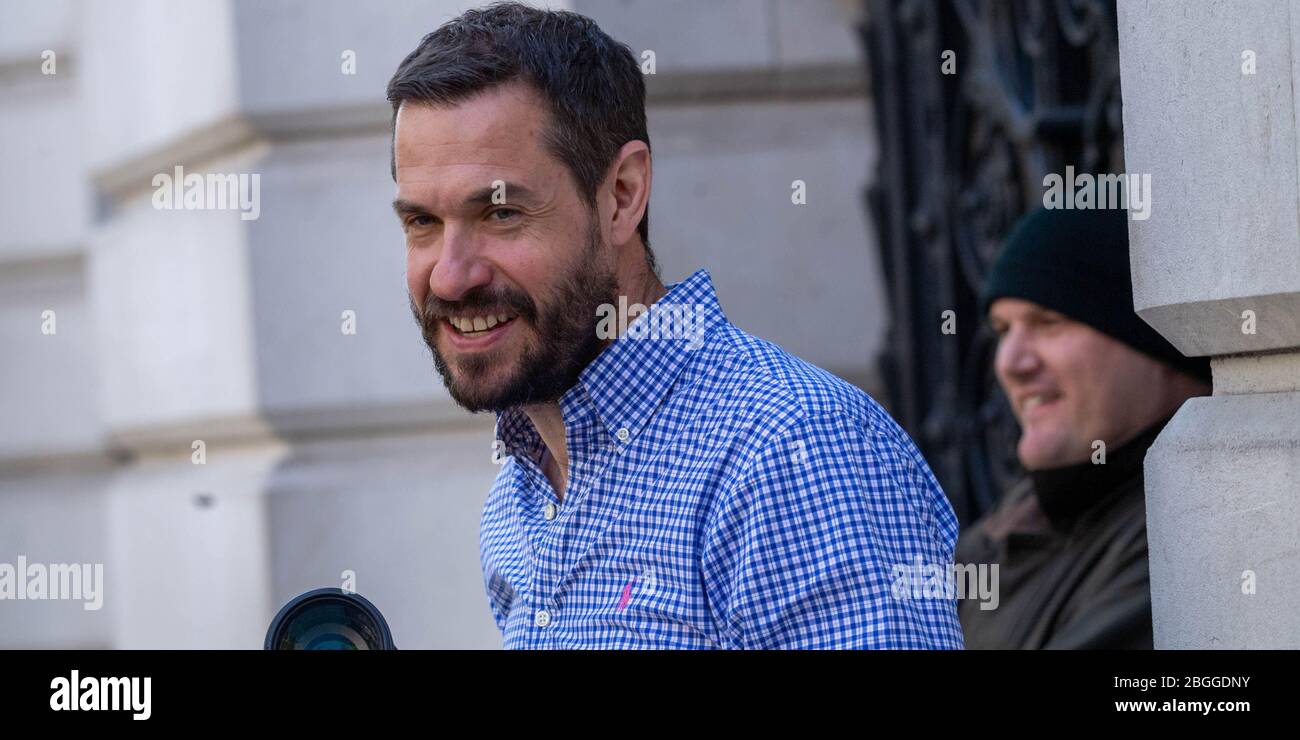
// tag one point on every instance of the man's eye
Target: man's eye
(419, 221)
(504, 214)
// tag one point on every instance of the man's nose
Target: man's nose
(460, 266)
(1017, 358)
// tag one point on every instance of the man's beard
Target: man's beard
(554, 355)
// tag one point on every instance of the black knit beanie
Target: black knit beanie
(1075, 262)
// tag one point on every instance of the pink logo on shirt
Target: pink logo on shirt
(649, 575)
(627, 595)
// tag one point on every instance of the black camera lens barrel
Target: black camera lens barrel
(329, 619)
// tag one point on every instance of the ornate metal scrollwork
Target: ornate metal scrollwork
(962, 156)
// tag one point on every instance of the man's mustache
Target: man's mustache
(478, 302)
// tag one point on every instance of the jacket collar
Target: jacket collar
(1068, 493)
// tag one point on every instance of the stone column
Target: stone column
(1210, 112)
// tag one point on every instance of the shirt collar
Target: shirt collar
(629, 380)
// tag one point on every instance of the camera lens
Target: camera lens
(329, 619)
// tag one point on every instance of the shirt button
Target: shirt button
(548, 511)
(622, 434)
(543, 618)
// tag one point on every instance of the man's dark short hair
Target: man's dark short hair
(592, 83)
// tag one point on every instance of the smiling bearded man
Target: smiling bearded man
(550, 362)
(701, 490)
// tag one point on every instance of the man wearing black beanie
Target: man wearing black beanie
(1092, 385)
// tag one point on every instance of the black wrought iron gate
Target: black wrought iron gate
(966, 137)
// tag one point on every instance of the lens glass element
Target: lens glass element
(328, 622)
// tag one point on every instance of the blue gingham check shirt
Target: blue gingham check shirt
(722, 493)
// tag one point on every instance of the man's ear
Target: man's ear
(629, 185)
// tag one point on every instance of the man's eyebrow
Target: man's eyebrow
(513, 193)
(402, 206)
